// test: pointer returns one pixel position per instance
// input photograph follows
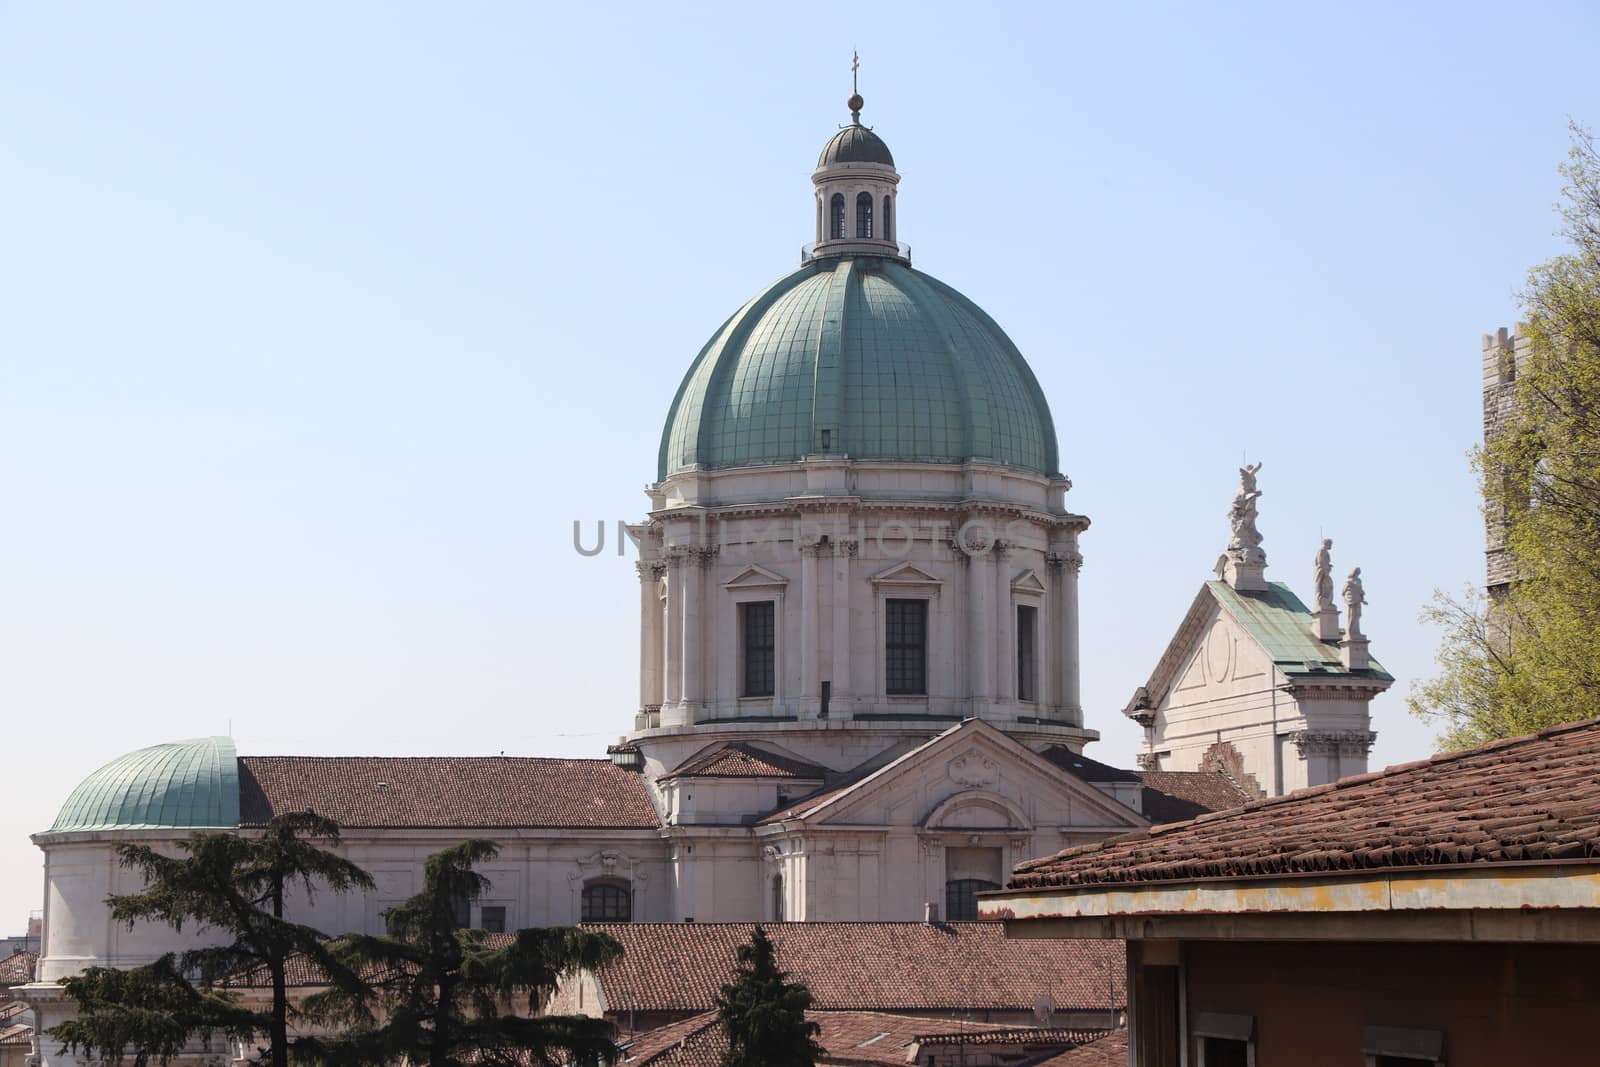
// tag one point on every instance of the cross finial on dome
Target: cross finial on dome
(855, 101)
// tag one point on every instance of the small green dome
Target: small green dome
(184, 785)
(854, 144)
(860, 356)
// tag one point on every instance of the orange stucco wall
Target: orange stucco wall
(1497, 1004)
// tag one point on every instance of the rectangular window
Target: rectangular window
(493, 919)
(906, 647)
(1027, 645)
(461, 910)
(757, 627)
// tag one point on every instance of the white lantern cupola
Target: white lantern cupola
(855, 184)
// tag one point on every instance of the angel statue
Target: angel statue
(1246, 543)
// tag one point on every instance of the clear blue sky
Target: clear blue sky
(319, 324)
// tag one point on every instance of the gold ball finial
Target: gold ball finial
(855, 104)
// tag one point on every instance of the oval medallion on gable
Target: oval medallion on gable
(1219, 654)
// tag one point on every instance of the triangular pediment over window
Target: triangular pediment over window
(1027, 582)
(905, 574)
(755, 576)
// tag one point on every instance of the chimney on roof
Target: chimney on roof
(930, 912)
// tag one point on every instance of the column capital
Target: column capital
(650, 569)
(1069, 559)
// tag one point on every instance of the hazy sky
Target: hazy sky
(319, 325)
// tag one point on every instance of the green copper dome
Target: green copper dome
(865, 357)
(184, 785)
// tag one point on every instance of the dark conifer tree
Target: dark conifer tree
(764, 1014)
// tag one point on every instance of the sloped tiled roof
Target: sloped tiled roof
(1111, 1048)
(1007, 1035)
(1518, 800)
(740, 760)
(13, 1036)
(1090, 770)
(1167, 796)
(9, 1009)
(1172, 796)
(446, 791)
(848, 1037)
(18, 968)
(881, 966)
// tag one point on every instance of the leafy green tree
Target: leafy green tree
(227, 882)
(764, 1014)
(442, 992)
(1531, 658)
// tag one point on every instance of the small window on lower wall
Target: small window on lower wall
(1402, 1046)
(492, 919)
(1225, 1040)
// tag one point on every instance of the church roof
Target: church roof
(740, 760)
(1526, 799)
(183, 785)
(1281, 623)
(858, 356)
(1173, 796)
(447, 791)
(1165, 796)
(875, 966)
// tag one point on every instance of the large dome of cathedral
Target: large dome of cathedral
(863, 356)
(856, 354)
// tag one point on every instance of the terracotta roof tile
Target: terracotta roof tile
(446, 791)
(1110, 1050)
(1172, 796)
(18, 968)
(13, 1036)
(1090, 770)
(1003, 1035)
(740, 760)
(1523, 799)
(11, 1008)
(849, 1037)
(863, 966)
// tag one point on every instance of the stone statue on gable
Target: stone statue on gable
(1245, 546)
(1355, 596)
(1323, 580)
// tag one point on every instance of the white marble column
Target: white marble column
(1005, 667)
(695, 565)
(672, 692)
(809, 610)
(980, 646)
(1071, 700)
(844, 553)
(651, 640)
